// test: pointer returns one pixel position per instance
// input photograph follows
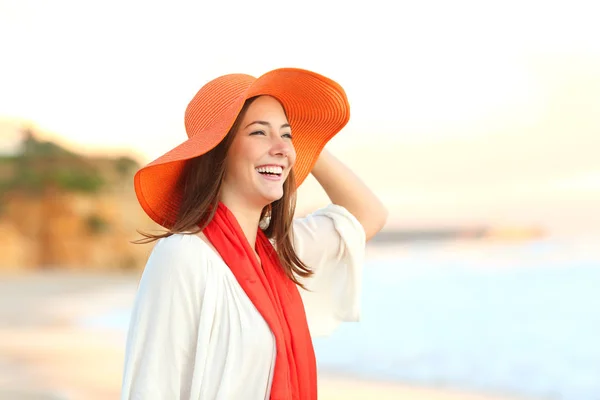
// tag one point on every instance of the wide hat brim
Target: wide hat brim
(316, 106)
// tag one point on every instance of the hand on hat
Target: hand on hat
(346, 189)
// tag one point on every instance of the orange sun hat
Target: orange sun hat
(316, 106)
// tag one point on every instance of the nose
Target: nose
(280, 147)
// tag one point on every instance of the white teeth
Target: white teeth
(271, 170)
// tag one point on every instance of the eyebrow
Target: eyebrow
(265, 123)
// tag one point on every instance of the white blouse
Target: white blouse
(194, 334)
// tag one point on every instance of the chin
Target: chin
(270, 196)
(273, 197)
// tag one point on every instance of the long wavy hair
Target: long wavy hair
(200, 184)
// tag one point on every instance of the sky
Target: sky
(462, 112)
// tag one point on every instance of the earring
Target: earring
(264, 223)
(266, 220)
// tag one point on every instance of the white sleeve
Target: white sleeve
(331, 242)
(163, 330)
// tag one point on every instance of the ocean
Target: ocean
(505, 318)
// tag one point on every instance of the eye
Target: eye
(287, 135)
(257, 133)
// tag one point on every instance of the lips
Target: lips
(270, 170)
(271, 177)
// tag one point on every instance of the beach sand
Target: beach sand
(45, 355)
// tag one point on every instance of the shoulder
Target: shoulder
(323, 236)
(332, 217)
(179, 246)
(333, 211)
(178, 254)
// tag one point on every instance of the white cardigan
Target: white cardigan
(194, 334)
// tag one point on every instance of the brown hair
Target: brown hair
(200, 183)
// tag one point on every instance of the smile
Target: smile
(270, 170)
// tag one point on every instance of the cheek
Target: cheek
(238, 159)
(234, 167)
(292, 156)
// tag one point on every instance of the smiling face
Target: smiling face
(260, 157)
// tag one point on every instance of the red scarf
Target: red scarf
(277, 299)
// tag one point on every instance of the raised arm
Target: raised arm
(346, 189)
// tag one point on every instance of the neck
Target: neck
(247, 217)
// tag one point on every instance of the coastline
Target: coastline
(46, 353)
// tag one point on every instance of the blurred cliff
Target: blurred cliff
(69, 209)
(60, 208)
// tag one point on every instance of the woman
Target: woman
(233, 291)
